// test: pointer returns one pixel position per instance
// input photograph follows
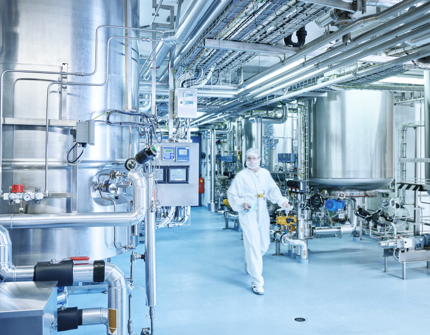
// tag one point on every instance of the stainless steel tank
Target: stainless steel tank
(352, 140)
(44, 35)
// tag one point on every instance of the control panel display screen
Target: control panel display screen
(182, 154)
(159, 174)
(168, 153)
(178, 175)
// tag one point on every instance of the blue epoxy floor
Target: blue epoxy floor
(202, 288)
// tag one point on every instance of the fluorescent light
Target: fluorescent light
(286, 85)
(273, 74)
(403, 80)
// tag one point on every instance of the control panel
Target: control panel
(287, 158)
(177, 175)
(182, 154)
(168, 153)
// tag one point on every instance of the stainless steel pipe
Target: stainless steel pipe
(427, 122)
(71, 220)
(94, 316)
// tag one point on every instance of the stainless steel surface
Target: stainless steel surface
(267, 75)
(44, 23)
(94, 316)
(126, 219)
(338, 4)
(212, 147)
(247, 47)
(8, 272)
(352, 144)
(190, 20)
(117, 296)
(427, 122)
(83, 273)
(414, 256)
(28, 308)
(211, 14)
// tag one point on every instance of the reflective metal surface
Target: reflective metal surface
(352, 140)
(28, 308)
(42, 35)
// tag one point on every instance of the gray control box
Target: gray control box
(177, 174)
(85, 132)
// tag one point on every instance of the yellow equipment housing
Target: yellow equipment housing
(288, 222)
(225, 202)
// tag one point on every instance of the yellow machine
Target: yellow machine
(287, 221)
(225, 202)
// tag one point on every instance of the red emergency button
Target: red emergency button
(17, 188)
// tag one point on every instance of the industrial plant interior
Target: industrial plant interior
(127, 126)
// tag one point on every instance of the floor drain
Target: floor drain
(300, 319)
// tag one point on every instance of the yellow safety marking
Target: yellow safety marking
(112, 321)
(260, 195)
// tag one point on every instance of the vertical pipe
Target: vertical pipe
(299, 134)
(386, 264)
(404, 270)
(211, 205)
(150, 265)
(427, 122)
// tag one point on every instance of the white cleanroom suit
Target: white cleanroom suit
(254, 188)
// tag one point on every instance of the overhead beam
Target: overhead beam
(248, 47)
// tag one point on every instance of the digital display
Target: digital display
(159, 174)
(183, 152)
(189, 103)
(188, 95)
(168, 153)
(178, 174)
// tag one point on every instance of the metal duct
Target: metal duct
(193, 16)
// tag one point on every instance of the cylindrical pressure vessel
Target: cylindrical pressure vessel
(352, 140)
(52, 35)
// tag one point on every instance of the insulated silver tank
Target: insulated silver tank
(352, 140)
(44, 35)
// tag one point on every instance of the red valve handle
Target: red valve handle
(81, 258)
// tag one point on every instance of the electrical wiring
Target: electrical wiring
(77, 159)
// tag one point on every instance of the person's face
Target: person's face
(252, 159)
(253, 162)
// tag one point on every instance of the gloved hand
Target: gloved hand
(246, 206)
(285, 205)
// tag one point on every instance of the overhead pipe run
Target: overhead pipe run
(191, 19)
(211, 14)
(421, 52)
(316, 44)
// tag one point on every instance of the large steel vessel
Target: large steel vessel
(51, 35)
(352, 140)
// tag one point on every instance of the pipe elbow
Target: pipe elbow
(114, 276)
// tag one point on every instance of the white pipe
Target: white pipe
(287, 239)
(164, 222)
(185, 217)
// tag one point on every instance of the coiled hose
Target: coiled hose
(269, 144)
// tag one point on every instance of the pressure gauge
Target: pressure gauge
(26, 197)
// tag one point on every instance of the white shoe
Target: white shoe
(246, 269)
(258, 290)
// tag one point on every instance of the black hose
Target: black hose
(301, 38)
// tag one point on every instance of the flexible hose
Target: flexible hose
(269, 144)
